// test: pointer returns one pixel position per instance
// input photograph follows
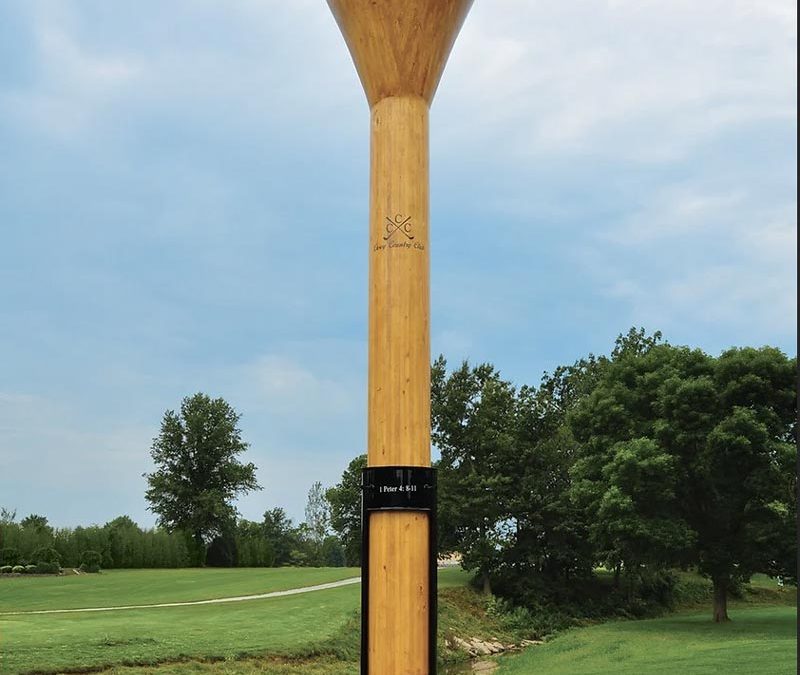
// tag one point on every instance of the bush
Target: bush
(48, 568)
(6, 569)
(9, 556)
(659, 587)
(91, 561)
(46, 554)
(30, 569)
(18, 569)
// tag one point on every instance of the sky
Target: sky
(183, 208)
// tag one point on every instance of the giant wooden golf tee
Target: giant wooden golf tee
(399, 48)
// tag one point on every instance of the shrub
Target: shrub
(659, 587)
(48, 568)
(30, 569)
(91, 561)
(9, 556)
(46, 554)
(6, 569)
(18, 569)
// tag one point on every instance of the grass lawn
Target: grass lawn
(293, 625)
(277, 625)
(759, 640)
(142, 587)
(317, 666)
(317, 633)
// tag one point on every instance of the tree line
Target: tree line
(653, 458)
(623, 467)
(274, 541)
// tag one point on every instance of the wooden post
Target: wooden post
(399, 48)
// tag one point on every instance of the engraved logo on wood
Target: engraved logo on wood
(398, 224)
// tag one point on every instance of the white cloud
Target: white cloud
(49, 461)
(75, 85)
(699, 258)
(287, 387)
(644, 81)
(679, 211)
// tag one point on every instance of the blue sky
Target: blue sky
(183, 207)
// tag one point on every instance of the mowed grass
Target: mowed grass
(55, 642)
(292, 625)
(144, 587)
(759, 640)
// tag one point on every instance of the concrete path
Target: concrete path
(215, 601)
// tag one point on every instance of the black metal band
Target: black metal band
(410, 488)
(399, 488)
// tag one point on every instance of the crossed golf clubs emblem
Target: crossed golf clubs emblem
(398, 224)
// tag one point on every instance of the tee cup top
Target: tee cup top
(399, 47)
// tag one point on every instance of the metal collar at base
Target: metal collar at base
(399, 488)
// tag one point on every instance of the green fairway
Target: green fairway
(50, 642)
(282, 625)
(322, 625)
(142, 587)
(759, 640)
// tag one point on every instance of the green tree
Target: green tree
(332, 552)
(549, 540)
(124, 543)
(675, 440)
(637, 523)
(36, 523)
(198, 473)
(255, 550)
(473, 420)
(280, 533)
(305, 551)
(345, 504)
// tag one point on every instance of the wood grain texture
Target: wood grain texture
(398, 593)
(399, 378)
(399, 48)
(399, 302)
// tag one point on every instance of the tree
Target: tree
(673, 438)
(636, 521)
(252, 545)
(317, 514)
(345, 509)
(36, 523)
(124, 543)
(473, 419)
(332, 552)
(550, 534)
(198, 474)
(279, 532)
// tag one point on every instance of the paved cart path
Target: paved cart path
(188, 603)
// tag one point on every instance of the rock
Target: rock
(481, 647)
(468, 647)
